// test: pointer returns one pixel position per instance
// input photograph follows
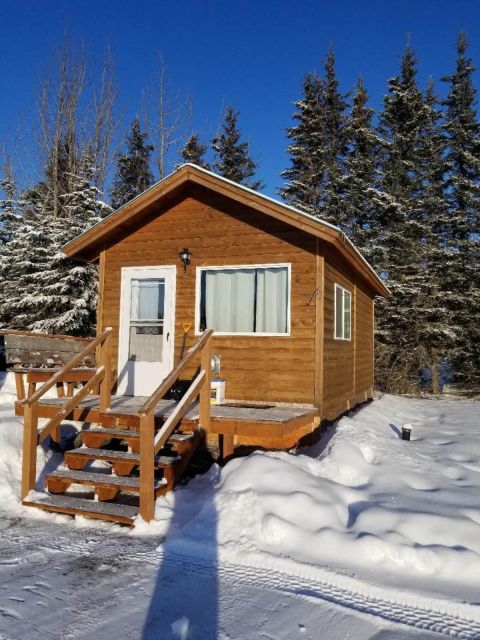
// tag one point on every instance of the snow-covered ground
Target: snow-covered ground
(361, 536)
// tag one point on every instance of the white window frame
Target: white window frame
(234, 267)
(339, 288)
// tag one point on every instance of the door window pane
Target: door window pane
(146, 319)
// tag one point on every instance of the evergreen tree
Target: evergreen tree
(463, 192)
(437, 325)
(402, 230)
(304, 187)
(314, 180)
(133, 168)
(232, 159)
(194, 152)
(9, 209)
(41, 289)
(360, 189)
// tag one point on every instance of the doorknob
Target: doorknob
(168, 336)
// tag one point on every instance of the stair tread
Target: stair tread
(87, 477)
(181, 437)
(120, 433)
(126, 433)
(127, 456)
(67, 504)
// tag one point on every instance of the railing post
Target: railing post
(20, 385)
(205, 398)
(106, 383)
(147, 469)
(30, 440)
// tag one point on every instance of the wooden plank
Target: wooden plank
(205, 391)
(124, 514)
(19, 385)
(29, 459)
(174, 375)
(319, 327)
(106, 381)
(179, 411)
(147, 470)
(69, 406)
(57, 377)
(42, 349)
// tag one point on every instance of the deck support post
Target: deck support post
(205, 398)
(147, 468)
(30, 441)
(106, 383)
(227, 445)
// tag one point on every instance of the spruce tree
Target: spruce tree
(401, 229)
(194, 152)
(133, 168)
(40, 288)
(463, 192)
(315, 178)
(437, 326)
(303, 185)
(9, 209)
(360, 190)
(232, 157)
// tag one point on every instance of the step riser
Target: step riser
(95, 441)
(102, 491)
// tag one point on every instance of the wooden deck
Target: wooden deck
(251, 423)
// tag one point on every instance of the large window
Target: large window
(343, 313)
(245, 300)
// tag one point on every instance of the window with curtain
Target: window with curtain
(146, 319)
(245, 300)
(343, 313)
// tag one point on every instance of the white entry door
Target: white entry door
(147, 321)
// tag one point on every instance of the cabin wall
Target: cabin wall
(347, 364)
(220, 232)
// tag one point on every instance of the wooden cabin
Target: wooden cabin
(283, 300)
(290, 299)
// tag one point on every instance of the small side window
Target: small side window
(343, 313)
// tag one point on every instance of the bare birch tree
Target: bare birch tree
(168, 115)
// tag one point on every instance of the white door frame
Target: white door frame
(131, 379)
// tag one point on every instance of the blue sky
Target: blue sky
(250, 54)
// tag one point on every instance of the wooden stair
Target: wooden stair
(109, 486)
(132, 456)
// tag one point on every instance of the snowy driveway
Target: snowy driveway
(363, 536)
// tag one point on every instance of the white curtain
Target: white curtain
(147, 299)
(146, 317)
(230, 297)
(272, 292)
(247, 300)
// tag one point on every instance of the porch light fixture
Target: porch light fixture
(186, 257)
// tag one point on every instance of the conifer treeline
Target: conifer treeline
(404, 184)
(407, 192)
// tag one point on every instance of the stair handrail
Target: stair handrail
(150, 404)
(101, 340)
(150, 444)
(31, 436)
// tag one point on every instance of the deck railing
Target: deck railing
(150, 444)
(32, 437)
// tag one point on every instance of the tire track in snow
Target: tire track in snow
(421, 612)
(428, 614)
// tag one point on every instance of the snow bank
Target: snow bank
(362, 501)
